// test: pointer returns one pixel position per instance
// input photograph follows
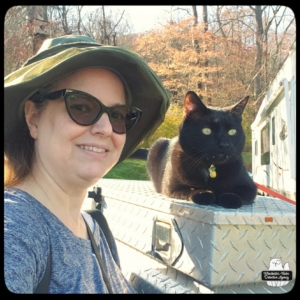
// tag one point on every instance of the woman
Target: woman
(72, 112)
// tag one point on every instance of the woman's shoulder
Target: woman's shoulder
(26, 240)
(19, 204)
(23, 214)
(17, 196)
(25, 218)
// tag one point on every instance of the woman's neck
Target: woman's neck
(65, 203)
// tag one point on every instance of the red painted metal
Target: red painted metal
(274, 194)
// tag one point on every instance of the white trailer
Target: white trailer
(274, 133)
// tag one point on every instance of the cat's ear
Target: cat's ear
(193, 103)
(240, 106)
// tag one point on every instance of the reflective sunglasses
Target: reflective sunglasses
(84, 109)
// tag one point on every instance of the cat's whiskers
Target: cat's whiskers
(237, 157)
(196, 166)
(196, 161)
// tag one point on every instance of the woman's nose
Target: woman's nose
(102, 126)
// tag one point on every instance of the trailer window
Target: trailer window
(265, 145)
(273, 131)
(256, 148)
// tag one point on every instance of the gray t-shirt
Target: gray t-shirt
(31, 230)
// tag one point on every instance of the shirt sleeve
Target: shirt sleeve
(25, 246)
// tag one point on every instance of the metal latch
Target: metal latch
(166, 240)
(162, 238)
(96, 195)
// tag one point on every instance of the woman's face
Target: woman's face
(72, 153)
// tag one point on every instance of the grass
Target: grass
(131, 169)
(135, 169)
(247, 157)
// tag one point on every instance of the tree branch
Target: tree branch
(271, 20)
(117, 22)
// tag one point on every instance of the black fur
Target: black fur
(179, 168)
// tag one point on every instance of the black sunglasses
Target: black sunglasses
(84, 109)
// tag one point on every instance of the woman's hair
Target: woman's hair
(19, 149)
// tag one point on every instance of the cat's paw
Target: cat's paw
(230, 200)
(204, 198)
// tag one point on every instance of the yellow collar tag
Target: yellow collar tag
(212, 171)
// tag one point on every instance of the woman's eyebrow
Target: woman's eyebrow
(119, 104)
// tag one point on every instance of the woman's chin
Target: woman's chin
(93, 173)
(92, 178)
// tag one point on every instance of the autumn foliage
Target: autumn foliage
(219, 64)
(222, 59)
(220, 69)
(17, 45)
(169, 128)
(223, 66)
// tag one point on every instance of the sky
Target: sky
(144, 17)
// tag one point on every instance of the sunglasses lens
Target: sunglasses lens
(85, 110)
(123, 118)
(82, 108)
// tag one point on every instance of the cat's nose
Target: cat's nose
(224, 144)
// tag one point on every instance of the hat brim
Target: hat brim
(147, 91)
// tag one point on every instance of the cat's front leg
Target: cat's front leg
(177, 191)
(242, 195)
(230, 200)
(198, 196)
(203, 197)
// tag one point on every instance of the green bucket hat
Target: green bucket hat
(64, 55)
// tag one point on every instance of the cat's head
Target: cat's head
(214, 136)
(275, 263)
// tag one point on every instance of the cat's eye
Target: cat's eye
(206, 131)
(232, 132)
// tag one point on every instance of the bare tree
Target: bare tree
(25, 28)
(218, 16)
(38, 19)
(105, 27)
(280, 38)
(64, 15)
(202, 83)
(205, 29)
(258, 10)
(195, 41)
(79, 9)
(263, 28)
(16, 35)
(109, 29)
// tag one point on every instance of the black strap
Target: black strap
(98, 255)
(43, 286)
(99, 217)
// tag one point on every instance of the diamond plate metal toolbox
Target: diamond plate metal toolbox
(215, 246)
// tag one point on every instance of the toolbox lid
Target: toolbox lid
(264, 210)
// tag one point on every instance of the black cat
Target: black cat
(204, 163)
